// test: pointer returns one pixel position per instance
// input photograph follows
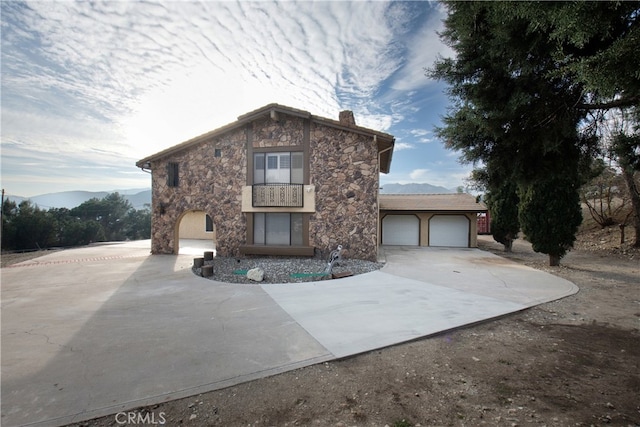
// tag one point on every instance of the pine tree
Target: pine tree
(524, 81)
(542, 204)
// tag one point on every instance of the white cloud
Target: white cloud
(419, 132)
(421, 135)
(399, 146)
(116, 80)
(423, 49)
(418, 173)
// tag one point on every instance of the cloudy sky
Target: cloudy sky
(88, 88)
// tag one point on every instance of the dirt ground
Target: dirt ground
(9, 258)
(573, 362)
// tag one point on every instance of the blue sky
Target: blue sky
(88, 88)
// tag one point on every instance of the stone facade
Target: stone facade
(206, 183)
(286, 131)
(344, 169)
(342, 164)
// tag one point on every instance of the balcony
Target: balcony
(277, 196)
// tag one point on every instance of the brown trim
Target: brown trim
(249, 239)
(305, 229)
(385, 140)
(452, 202)
(277, 250)
(249, 133)
(355, 129)
(281, 149)
(306, 149)
(249, 216)
(435, 212)
(256, 114)
(306, 159)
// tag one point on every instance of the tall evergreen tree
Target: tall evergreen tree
(542, 204)
(503, 204)
(524, 79)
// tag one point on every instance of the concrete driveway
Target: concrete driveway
(97, 330)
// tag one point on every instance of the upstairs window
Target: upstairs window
(272, 162)
(278, 168)
(208, 227)
(172, 174)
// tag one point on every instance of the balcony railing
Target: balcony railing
(278, 196)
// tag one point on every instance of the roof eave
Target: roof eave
(419, 209)
(189, 143)
(385, 141)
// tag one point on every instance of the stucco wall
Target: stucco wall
(193, 226)
(424, 218)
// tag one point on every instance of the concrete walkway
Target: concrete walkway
(93, 331)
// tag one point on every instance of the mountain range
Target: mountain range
(139, 197)
(414, 188)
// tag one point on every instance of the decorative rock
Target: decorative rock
(198, 262)
(207, 270)
(208, 255)
(255, 274)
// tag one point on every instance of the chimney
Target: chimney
(346, 118)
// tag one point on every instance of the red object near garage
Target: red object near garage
(484, 223)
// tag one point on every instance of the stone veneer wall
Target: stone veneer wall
(206, 183)
(288, 131)
(344, 169)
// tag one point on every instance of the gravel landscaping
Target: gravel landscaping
(283, 270)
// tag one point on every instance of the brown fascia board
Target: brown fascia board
(267, 109)
(386, 155)
(385, 141)
(430, 203)
(191, 142)
(453, 210)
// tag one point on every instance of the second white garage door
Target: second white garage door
(401, 230)
(449, 230)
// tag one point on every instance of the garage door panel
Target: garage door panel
(449, 230)
(401, 230)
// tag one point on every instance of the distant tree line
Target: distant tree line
(25, 226)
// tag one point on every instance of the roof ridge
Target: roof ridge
(426, 194)
(383, 138)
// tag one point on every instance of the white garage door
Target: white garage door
(401, 230)
(449, 230)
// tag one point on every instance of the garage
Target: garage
(401, 230)
(442, 220)
(449, 230)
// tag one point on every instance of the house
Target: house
(277, 181)
(430, 219)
